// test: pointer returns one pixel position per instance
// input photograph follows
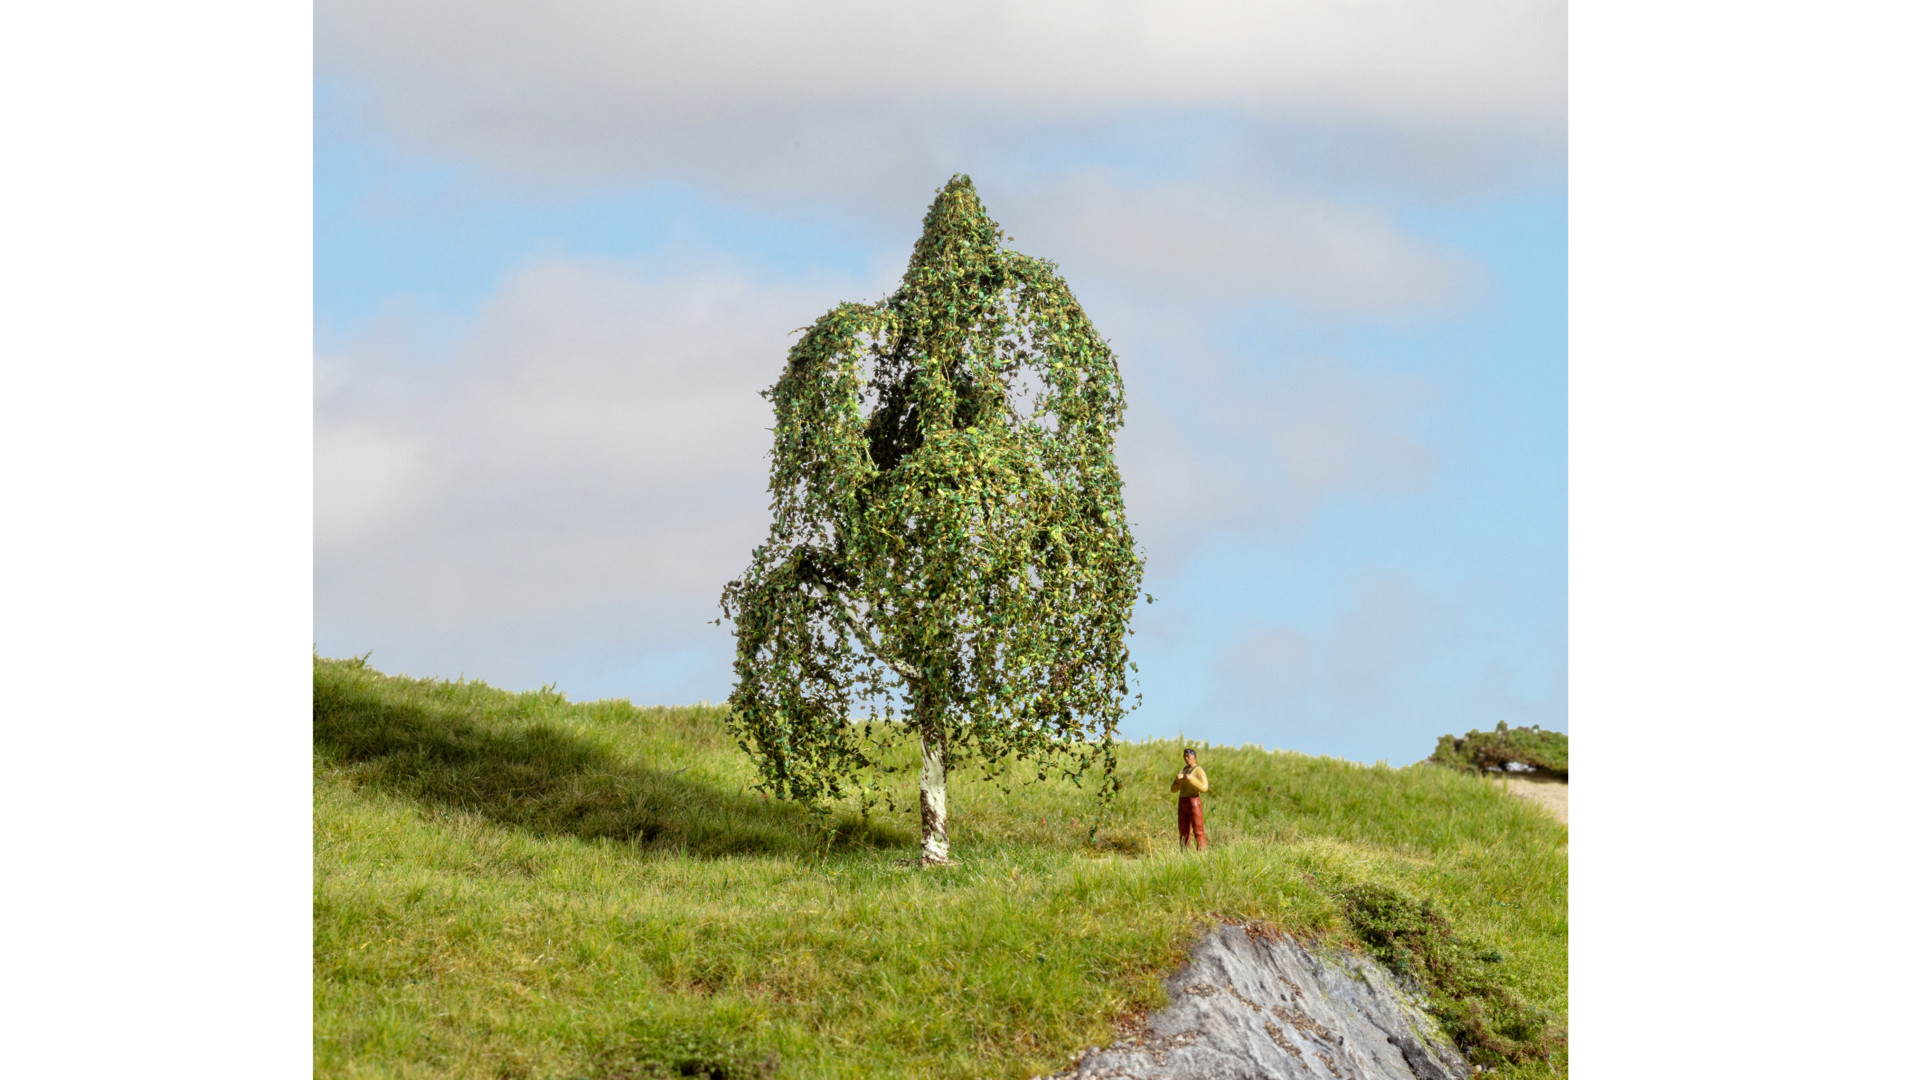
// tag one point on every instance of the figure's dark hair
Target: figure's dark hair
(1190, 750)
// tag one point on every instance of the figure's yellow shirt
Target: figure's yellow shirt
(1194, 783)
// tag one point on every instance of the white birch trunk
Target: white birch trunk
(933, 798)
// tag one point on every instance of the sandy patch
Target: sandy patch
(1551, 794)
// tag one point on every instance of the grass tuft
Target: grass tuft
(1482, 751)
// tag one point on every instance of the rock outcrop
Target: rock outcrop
(1260, 1005)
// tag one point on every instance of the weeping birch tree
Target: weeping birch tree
(949, 560)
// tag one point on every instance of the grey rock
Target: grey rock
(1252, 1007)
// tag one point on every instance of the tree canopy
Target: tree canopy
(949, 555)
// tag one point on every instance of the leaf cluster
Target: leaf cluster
(949, 554)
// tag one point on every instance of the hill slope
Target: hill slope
(511, 885)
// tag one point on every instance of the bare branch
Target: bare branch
(858, 626)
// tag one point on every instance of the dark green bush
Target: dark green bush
(1477, 751)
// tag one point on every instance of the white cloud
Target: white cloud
(594, 447)
(1207, 448)
(864, 94)
(1194, 242)
(361, 478)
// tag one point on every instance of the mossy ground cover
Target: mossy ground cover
(512, 885)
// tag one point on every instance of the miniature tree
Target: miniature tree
(949, 557)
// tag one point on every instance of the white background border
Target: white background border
(1742, 555)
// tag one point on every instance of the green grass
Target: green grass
(510, 885)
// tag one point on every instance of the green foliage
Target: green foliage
(949, 545)
(1488, 1021)
(518, 886)
(1477, 751)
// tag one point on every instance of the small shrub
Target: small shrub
(1478, 751)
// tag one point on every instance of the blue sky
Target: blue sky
(551, 275)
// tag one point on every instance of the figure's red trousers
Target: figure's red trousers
(1193, 822)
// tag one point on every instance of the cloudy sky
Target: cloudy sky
(561, 247)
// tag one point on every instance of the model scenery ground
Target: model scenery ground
(513, 885)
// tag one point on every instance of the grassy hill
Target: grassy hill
(512, 885)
